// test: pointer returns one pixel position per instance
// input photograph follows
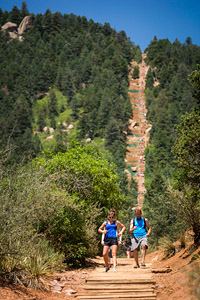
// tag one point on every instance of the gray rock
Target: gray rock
(25, 25)
(10, 27)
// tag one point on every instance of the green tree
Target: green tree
(138, 56)
(195, 80)
(75, 105)
(41, 120)
(1, 17)
(187, 158)
(159, 210)
(188, 40)
(47, 21)
(112, 133)
(14, 16)
(80, 178)
(136, 72)
(52, 105)
(149, 79)
(56, 23)
(24, 10)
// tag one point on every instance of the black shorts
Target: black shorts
(110, 241)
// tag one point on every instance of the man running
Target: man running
(138, 227)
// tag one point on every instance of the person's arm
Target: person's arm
(102, 239)
(123, 228)
(102, 228)
(148, 226)
(132, 228)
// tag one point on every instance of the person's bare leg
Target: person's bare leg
(109, 262)
(105, 253)
(135, 254)
(114, 256)
(143, 253)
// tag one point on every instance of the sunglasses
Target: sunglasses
(111, 217)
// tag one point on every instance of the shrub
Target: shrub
(58, 197)
(166, 245)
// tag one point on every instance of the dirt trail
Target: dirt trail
(127, 283)
(138, 132)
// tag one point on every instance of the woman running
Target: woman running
(109, 228)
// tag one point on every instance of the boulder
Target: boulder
(49, 137)
(132, 123)
(127, 172)
(148, 130)
(13, 35)
(70, 126)
(51, 130)
(69, 291)
(88, 140)
(40, 95)
(45, 129)
(25, 25)
(10, 27)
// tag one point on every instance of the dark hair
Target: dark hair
(111, 212)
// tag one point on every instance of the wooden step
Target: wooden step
(125, 297)
(124, 292)
(120, 281)
(134, 288)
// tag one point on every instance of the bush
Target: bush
(26, 198)
(136, 72)
(166, 245)
(68, 232)
(57, 197)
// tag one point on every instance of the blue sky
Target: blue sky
(141, 19)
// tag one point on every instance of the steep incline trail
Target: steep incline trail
(127, 283)
(138, 131)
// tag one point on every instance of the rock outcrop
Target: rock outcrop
(15, 32)
(25, 25)
(11, 28)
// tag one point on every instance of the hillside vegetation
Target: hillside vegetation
(63, 83)
(172, 157)
(66, 78)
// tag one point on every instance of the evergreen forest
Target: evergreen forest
(64, 114)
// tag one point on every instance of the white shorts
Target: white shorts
(139, 241)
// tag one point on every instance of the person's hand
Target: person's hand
(119, 243)
(134, 228)
(102, 243)
(105, 231)
(120, 233)
(148, 234)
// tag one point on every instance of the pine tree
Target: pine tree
(24, 10)
(52, 105)
(15, 16)
(41, 120)
(149, 79)
(138, 56)
(136, 72)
